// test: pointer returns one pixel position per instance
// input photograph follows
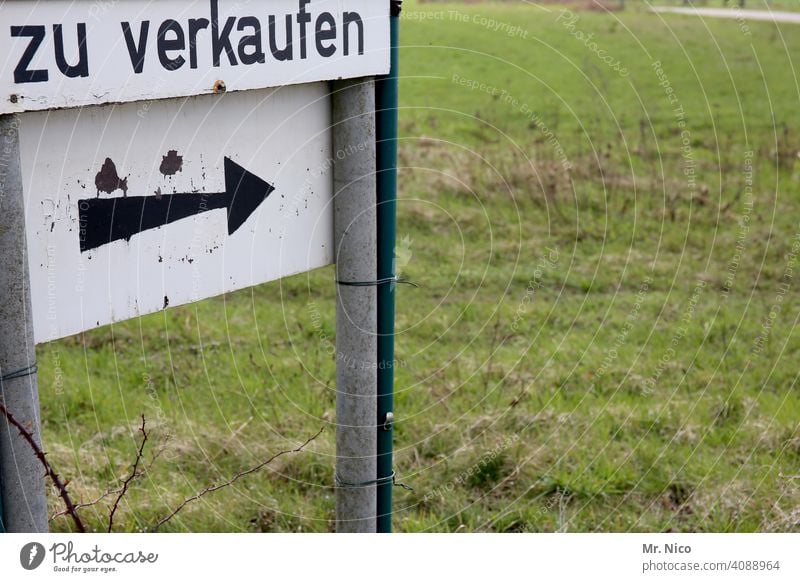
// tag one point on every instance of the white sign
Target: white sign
(136, 207)
(67, 53)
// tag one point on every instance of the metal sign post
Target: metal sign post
(387, 102)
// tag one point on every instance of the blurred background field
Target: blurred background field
(614, 5)
(604, 337)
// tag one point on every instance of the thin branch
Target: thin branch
(131, 477)
(158, 453)
(81, 505)
(110, 492)
(232, 480)
(62, 488)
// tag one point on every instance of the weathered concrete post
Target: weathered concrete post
(24, 505)
(356, 303)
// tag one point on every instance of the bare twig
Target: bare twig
(232, 480)
(129, 478)
(115, 491)
(40, 454)
(81, 505)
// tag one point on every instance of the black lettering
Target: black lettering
(252, 40)
(220, 42)
(136, 53)
(175, 44)
(286, 53)
(325, 34)
(349, 18)
(195, 26)
(82, 68)
(303, 18)
(22, 74)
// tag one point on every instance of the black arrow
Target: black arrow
(106, 220)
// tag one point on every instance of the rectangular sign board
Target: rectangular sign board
(71, 53)
(136, 207)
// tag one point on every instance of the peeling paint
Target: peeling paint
(171, 164)
(107, 180)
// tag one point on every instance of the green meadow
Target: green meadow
(602, 213)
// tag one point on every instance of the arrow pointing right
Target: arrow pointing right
(103, 221)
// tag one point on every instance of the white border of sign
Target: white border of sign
(140, 50)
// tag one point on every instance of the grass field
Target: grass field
(604, 337)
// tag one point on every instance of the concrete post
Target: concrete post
(356, 305)
(21, 473)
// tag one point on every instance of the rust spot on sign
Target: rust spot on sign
(107, 180)
(171, 164)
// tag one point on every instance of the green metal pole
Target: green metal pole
(386, 101)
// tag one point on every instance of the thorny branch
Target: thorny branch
(40, 454)
(92, 503)
(72, 508)
(129, 478)
(109, 492)
(232, 480)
